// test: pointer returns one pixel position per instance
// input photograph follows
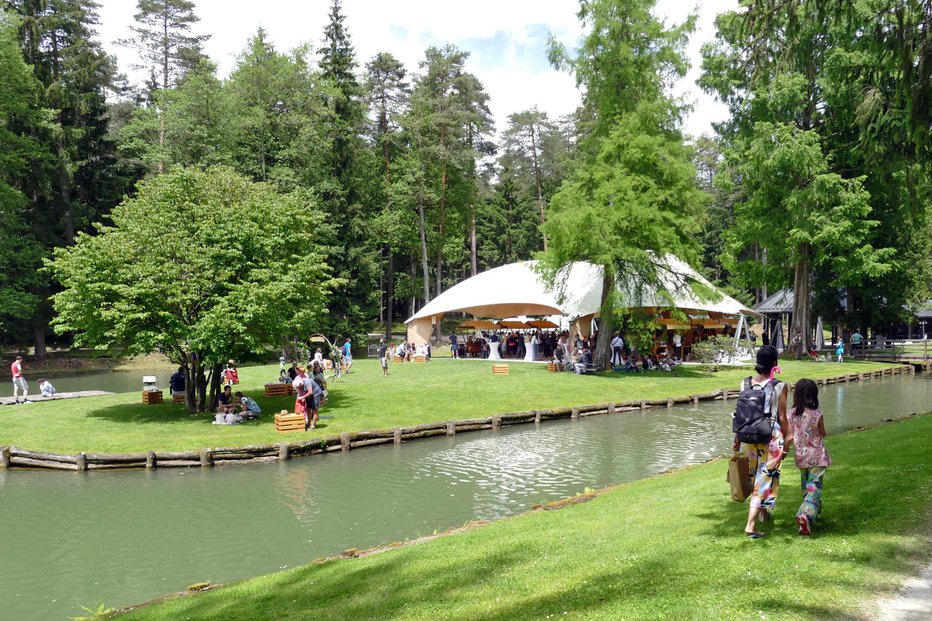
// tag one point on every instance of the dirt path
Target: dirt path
(913, 602)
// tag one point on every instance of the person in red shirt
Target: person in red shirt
(19, 382)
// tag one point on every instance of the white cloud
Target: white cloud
(516, 76)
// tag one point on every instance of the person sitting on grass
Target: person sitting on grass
(225, 403)
(583, 360)
(249, 409)
(46, 388)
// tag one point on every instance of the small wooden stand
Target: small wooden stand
(151, 397)
(500, 369)
(289, 423)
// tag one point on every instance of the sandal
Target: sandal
(755, 535)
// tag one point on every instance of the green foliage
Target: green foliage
(636, 203)
(627, 56)
(203, 263)
(794, 205)
(20, 117)
(855, 74)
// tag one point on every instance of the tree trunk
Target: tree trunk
(390, 294)
(423, 232)
(165, 59)
(472, 242)
(602, 355)
(538, 184)
(40, 352)
(801, 310)
(213, 383)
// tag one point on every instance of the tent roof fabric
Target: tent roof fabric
(477, 324)
(517, 289)
(779, 303)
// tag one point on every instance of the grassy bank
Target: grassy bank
(667, 547)
(363, 400)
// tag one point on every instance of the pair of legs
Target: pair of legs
(19, 383)
(764, 460)
(384, 366)
(811, 507)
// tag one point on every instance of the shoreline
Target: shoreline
(474, 525)
(17, 458)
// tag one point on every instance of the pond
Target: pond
(124, 537)
(109, 381)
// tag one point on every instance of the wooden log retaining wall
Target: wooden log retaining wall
(12, 457)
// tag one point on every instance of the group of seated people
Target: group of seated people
(407, 351)
(234, 409)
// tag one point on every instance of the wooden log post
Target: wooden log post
(695, 399)
(574, 413)
(724, 394)
(81, 461)
(536, 417)
(344, 441)
(496, 422)
(669, 402)
(150, 460)
(451, 428)
(207, 458)
(643, 405)
(610, 408)
(397, 436)
(4, 457)
(283, 451)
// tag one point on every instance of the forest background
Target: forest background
(819, 177)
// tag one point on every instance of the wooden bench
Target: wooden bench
(499, 369)
(279, 389)
(397, 358)
(151, 397)
(288, 423)
(552, 367)
(420, 358)
(178, 398)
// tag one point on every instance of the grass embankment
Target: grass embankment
(363, 400)
(668, 547)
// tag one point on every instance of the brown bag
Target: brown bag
(739, 476)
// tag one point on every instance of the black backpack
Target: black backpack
(752, 421)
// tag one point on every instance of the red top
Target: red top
(16, 369)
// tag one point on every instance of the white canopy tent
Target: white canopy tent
(517, 289)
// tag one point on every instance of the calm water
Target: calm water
(111, 381)
(123, 537)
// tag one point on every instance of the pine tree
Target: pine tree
(163, 40)
(80, 180)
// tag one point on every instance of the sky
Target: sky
(506, 39)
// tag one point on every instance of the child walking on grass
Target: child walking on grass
(811, 457)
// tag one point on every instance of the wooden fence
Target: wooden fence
(13, 457)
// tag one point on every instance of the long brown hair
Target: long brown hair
(805, 396)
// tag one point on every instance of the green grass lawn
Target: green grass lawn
(668, 547)
(441, 390)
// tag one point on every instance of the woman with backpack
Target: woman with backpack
(763, 398)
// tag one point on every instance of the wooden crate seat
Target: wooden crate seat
(279, 390)
(289, 423)
(151, 397)
(500, 369)
(178, 398)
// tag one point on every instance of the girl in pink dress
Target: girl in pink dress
(811, 457)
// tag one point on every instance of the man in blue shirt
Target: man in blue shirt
(347, 355)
